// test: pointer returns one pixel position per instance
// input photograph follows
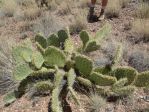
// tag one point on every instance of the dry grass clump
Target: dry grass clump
(141, 26)
(124, 3)
(26, 3)
(113, 8)
(6, 65)
(139, 59)
(47, 24)
(9, 7)
(32, 13)
(143, 10)
(65, 8)
(79, 23)
(97, 103)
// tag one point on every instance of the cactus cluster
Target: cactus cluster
(58, 65)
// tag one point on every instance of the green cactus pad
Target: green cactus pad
(125, 91)
(55, 103)
(27, 54)
(40, 48)
(84, 82)
(22, 71)
(91, 46)
(142, 79)
(44, 72)
(58, 78)
(102, 33)
(69, 64)
(84, 36)
(53, 40)
(84, 65)
(37, 60)
(74, 96)
(102, 80)
(69, 46)
(63, 35)
(118, 55)
(44, 86)
(9, 98)
(102, 70)
(125, 72)
(41, 40)
(54, 56)
(17, 54)
(120, 83)
(27, 43)
(103, 90)
(71, 77)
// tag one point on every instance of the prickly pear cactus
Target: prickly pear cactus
(54, 56)
(84, 65)
(142, 79)
(71, 75)
(41, 40)
(21, 54)
(56, 104)
(37, 59)
(102, 33)
(125, 72)
(27, 54)
(84, 36)
(103, 70)
(124, 91)
(120, 83)
(63, 35)
(118, 56)
(53, 40)
(84, 82)
(43, 86)
(69, 46)
(22, 71)
(102, 80)
(9, 98)
(91, 46)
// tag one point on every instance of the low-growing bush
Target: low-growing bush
(142, 10)
(9, 8)
(141, 26)
(113, 8)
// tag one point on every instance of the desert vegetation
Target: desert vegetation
(53, 60)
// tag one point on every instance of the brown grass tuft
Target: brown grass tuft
(143, 10)
(9, 7)
(113, 8)
(141, 26)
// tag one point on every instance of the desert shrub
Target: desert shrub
(124, 3)
(47, 24)
(139, 60)
(26, 26)
(141, 26)
(65, 8)
(78, 22)
(143, 10)
(9, 8)
(32, 13)
(26, 3)
(113, 8)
